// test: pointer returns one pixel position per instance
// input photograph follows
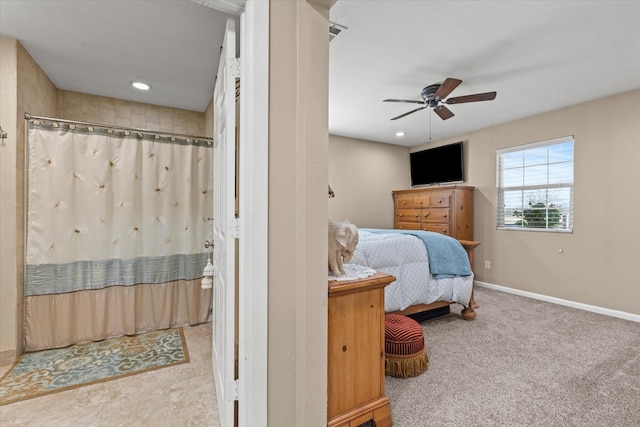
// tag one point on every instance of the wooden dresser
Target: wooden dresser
(356, 353)
(446, 210)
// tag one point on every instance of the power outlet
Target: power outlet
(487, 265)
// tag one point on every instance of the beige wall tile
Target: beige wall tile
(118, 112)
(153, 114)
(166, 120)
(137, 108)
(208, 120)
(72, 98)
(36, 95)
(123, 112)
(138, 120)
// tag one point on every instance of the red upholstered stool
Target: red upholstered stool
(405, 354)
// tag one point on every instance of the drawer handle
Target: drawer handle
(417, 216)
(444, 216)
(440, 201)
(400, 215)
(427, 214)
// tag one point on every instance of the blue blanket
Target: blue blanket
(447, 257)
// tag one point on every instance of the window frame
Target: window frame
(501, 208)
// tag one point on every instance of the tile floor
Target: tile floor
(182, 395)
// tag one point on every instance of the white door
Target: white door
(224, 228)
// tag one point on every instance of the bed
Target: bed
(432, 270)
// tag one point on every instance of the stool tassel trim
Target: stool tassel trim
(406, 366)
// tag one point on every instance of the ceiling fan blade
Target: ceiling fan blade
(488, 96)
(447, 87)
(443, 112)
(406, 114)
(403, 100)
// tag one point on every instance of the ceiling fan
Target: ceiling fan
(433, 95)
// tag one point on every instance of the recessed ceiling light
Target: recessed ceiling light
(400, 134)
(140, 85)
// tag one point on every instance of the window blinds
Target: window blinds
(535, 186)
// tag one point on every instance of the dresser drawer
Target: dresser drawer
(421, 202)
(408, 215)
(408, 225)
(437, 228)
(435, 215)
(439, 201)
(404, 203)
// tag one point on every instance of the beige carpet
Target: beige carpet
(523, 362)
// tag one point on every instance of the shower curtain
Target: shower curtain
(116, 221)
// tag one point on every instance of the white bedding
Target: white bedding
(405, 257)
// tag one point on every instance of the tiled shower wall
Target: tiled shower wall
(35, 92)
(99, 109)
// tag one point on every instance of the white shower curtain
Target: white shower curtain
(115, 227)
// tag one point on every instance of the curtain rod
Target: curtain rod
(28, 116)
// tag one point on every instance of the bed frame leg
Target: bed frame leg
(469, 246)
(468, 313)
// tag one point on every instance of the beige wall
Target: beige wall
(598, 262)
(8, 149)
(25, 88)
(363, 174)
(298, 150)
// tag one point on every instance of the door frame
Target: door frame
(254, 186)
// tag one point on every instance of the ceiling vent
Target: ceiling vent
(334, 30)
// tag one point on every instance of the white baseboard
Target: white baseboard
(595, 309)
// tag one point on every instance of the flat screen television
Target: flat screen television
(444, 164)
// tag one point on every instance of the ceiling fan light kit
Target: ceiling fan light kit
(434, 96)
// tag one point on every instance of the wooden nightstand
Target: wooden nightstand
(356, 353)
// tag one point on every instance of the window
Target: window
(535, 186)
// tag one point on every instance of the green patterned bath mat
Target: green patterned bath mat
(50, 371)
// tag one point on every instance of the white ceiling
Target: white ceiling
(100, 46)
(538, 55)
